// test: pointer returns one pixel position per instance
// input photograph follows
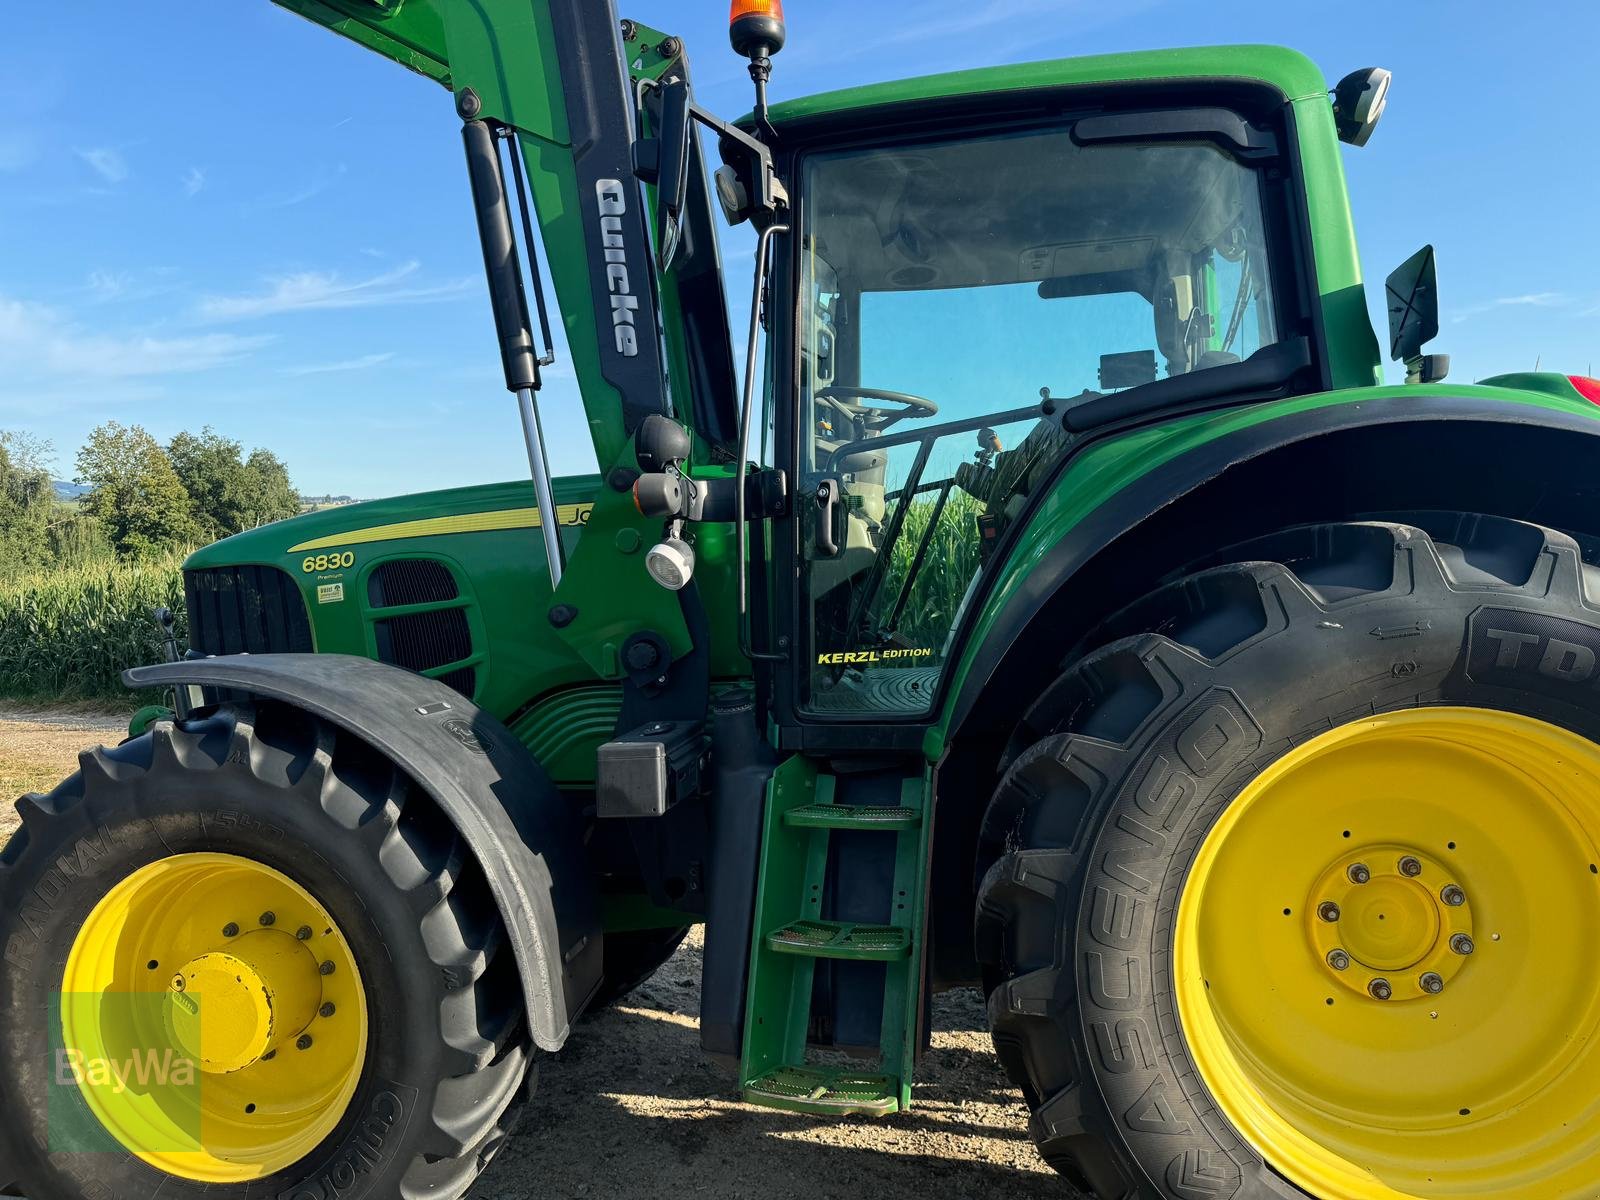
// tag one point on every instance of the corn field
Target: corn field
(948, 566)
(66, 635)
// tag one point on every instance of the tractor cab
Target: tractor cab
(1030, 261)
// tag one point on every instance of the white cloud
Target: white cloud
(310, 290)
(307, 191)
(108, 285)
(106, 163)
(41, 347)
(365, 363)
(1526, 300)
(194, 180)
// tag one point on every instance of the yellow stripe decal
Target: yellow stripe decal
(484, 522)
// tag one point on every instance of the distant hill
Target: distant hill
(69, 491)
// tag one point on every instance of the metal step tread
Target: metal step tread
(842, 939)
(830, 1092)
(853, 816)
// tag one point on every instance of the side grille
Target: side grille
(246, 610)
(410, 581)
(420, 641)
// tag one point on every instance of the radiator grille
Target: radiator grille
(410, 581)
(246, 610)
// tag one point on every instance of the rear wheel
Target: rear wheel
(280, 973)
(1292, 892)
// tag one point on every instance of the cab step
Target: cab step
(852, 816)
(825, 1092)
(842, 939)
(842, 876)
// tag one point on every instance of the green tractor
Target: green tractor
(1047, 596)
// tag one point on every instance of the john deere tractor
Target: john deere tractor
(1047, 595)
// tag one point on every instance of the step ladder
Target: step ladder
(790, 935)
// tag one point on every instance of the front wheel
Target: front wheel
(1295, 891)
(245, 956)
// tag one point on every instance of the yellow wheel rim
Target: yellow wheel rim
(213, 1018)
(1385, 960)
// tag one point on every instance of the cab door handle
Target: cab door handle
(828, 509)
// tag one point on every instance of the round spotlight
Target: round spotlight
(671, 564)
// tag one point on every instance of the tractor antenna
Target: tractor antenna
(757, 32)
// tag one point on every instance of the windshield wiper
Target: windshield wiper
(1269, 368)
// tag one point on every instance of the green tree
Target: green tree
(229, 493)
(276, 498)
(27, 499)
(134, 493)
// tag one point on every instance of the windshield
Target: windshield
(946, 286)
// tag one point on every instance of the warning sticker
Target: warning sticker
(330, 593)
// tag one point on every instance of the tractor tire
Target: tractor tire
(1190, 864)
(428, 1052)
(631, 957)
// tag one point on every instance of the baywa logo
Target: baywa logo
(123, 1075)
(613, 200)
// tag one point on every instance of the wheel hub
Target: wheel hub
(258, 996)
(1387, 912)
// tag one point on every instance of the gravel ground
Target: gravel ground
(40, 749)
(632, 1109)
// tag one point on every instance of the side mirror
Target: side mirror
(1412, 293)
(1358, 101)
(672, 181)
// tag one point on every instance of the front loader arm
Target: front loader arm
(554, 72)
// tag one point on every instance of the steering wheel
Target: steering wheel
(875, 415)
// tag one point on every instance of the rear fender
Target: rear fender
(528, 843)
(1477, 431)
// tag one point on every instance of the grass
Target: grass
(947, 568)
(66, 635)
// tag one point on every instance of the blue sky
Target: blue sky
(219, 214)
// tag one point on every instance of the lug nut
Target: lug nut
(179, 983)
(230, 930)
(1338, 960)
(1410, 867)
(1432, 983)
(303, 933)
(1380, 989)
(1452, 895)
(1359, 873)
(269, 1056)
(1328, 911)
(304, 1043)
(327, 1010)
(269, 919)
(1462, 944)
(327, 968)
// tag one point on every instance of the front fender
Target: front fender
(528, 843)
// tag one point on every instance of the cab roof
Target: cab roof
(1289, 71)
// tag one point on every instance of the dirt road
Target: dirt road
(631, 1110)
